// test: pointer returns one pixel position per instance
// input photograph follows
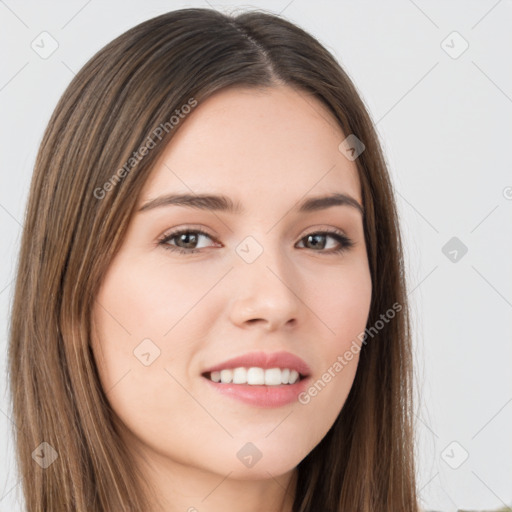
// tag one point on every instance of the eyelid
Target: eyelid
(322, 228)
(171, 233)
(319, 228)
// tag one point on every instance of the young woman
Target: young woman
(210, 311)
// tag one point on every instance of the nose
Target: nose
(265, 295)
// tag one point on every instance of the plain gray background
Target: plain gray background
(443, 112)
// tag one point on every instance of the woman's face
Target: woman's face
(264, 280)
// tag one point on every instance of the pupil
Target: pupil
(315, 237)
(185, 236)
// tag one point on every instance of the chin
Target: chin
(259, 471)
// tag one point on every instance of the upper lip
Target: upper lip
(266, 361)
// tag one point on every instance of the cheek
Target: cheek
(146, 319)
(129, 325)
(341, 301)
(139, 302)
(144, 301)
(140, 330)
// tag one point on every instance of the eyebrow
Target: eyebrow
(225, 204)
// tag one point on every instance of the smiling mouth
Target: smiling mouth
(255, 376)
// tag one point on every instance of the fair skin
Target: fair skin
(268, 149)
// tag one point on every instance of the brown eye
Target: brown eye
(187, 239)
(184, 241)
(318, 241)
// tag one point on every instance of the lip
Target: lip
(261, 395)
(266, 361)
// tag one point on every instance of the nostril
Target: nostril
(254, 320)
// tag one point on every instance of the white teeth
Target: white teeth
(226, 376)
(255, 376)
(273, 377)
(239, 376)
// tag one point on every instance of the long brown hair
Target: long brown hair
(78, 211)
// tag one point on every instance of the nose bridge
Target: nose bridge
(263, 255)
(263, 281)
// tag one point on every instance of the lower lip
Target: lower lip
(262, 396)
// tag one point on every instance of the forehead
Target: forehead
(275, 144)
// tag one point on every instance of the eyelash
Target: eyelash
(346, 243)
